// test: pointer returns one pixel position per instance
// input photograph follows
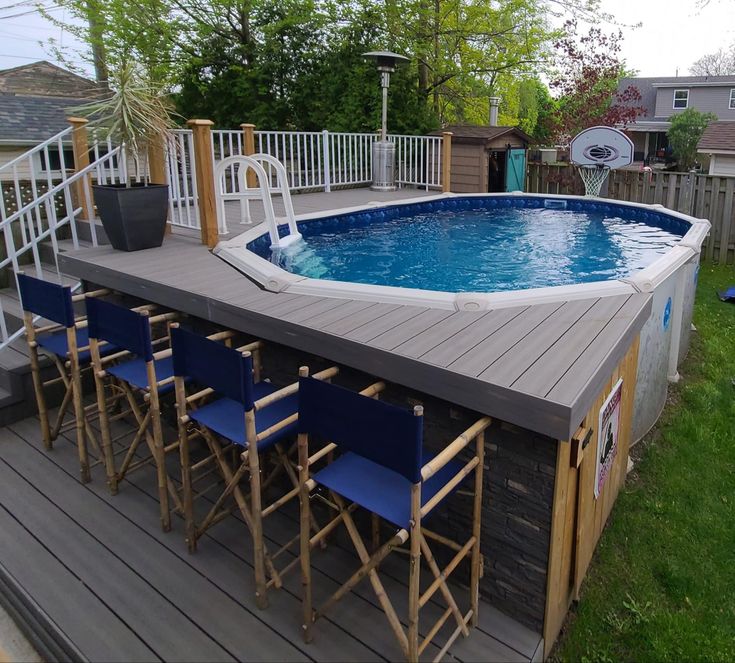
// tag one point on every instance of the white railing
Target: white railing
(182, 182)
(24, 178)
(314, 161)
(42, 220)
(418, 160)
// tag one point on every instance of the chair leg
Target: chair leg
(477, 510)
(261, 598)
(76, 388)
(305, 538)
(40, 397)
(160, 459)
(187, 489)
(414, 574)
(104, 421)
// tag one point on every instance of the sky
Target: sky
(673, 34)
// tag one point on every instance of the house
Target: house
(34, 103)
(718, 142)
(665, 97)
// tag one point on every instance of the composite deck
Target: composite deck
(540, 366)
(105, 584)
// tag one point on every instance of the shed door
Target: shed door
(515, 172)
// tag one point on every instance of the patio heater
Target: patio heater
(384, 152)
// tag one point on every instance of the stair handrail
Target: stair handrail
(38, 148)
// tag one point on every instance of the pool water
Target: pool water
(479, 250)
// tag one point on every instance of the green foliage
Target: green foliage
(297, 64)
(658, 589)
(135, 114)
(686, 129)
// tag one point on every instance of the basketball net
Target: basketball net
(593, 177)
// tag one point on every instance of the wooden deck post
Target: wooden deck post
(248, 148)
(157, 165)
(80, 147)
(446, 161)
(204, 164)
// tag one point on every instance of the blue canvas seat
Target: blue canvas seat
(244, 411)
(57, 343)
(142, 378)
(65, 341)
(379, 489)
(135, 372)
(382, 467)
(227, 418)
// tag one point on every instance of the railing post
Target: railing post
(446, 161)
(80, 147)
(248, 148)
(204, 167)
(325, 160)
(157, 165)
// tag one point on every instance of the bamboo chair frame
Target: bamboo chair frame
(233, 472)
(70, 372)
(416, 537)
(145, 407)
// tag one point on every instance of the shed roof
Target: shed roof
(482, 132)
(29, 120)
(718, 137)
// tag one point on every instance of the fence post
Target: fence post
(204, 167)
(157, 165)
(446, 161)
(80, 147)
(248, 148)
(325, 159)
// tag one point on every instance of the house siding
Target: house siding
(722, 164)
(705, 99)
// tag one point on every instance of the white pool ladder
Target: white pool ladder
(262, 192)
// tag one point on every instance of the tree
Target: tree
(686, 129)
(589, 69)
(721, 63)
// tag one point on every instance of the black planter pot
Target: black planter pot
(133, 217)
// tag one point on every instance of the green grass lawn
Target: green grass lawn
(662, 584)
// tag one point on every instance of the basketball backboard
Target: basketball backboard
(601, 146)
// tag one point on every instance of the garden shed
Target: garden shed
(487, 158)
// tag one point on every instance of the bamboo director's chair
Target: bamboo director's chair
(235, 412)
(383, 469)
(141, 377)
(66, 342)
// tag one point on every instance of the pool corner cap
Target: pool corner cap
(470, 301)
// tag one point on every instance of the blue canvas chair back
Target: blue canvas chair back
(385, 434)
(120, 326)
(214, 365)
(49, 300)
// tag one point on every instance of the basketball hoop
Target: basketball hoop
(593, 178)
(596, 151)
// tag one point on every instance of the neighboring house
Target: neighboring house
(34, 103)
(667, 96)
(718, 141)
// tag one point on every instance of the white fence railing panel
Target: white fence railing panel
(314, 160)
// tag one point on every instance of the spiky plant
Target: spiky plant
(135, 115)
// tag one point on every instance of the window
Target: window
(732, 99)
(54, 159)
(681, 98)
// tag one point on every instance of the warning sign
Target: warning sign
(607, 435)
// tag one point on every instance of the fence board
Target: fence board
(703, 196)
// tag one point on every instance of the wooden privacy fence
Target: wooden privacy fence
(702, 196)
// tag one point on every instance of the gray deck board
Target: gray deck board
(549, 368)
(65, 599)
(489, 350)
(407, 330)
(472, 359)
(115, 583)
(526, 351)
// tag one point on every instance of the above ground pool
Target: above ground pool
(479, 246)
(487, 251)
